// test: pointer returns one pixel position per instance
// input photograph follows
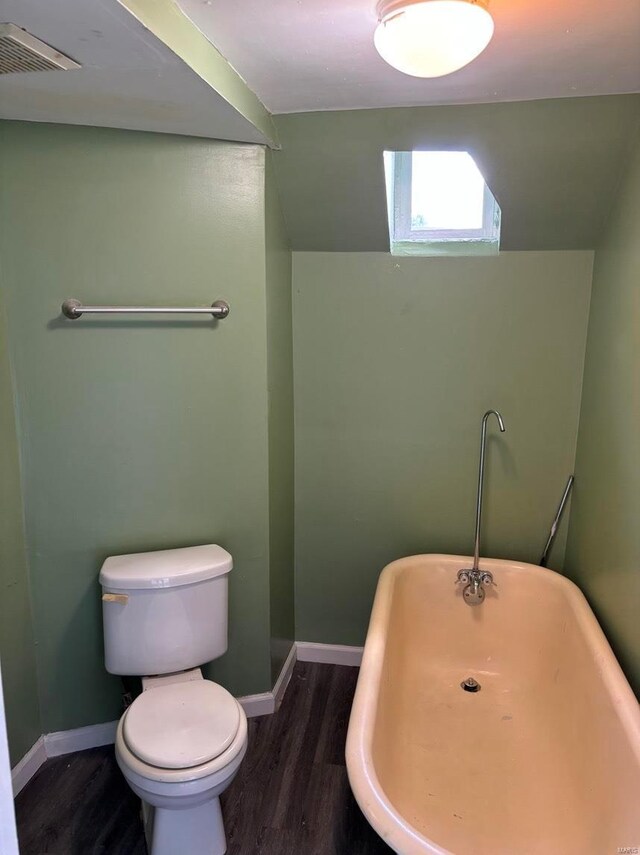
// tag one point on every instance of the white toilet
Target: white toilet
(182, 740)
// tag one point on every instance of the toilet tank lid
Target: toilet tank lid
(166, 568)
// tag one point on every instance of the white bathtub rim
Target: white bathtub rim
(365, 784)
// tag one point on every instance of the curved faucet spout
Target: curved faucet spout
(483, 442)
(497, 415)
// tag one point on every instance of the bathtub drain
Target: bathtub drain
(470, 685)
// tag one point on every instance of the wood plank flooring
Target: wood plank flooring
(290, 797)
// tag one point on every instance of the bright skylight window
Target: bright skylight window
(447, 191)
(439, 204)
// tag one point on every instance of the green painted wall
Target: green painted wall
(395, 361)
(280, 384)
(17, 643)
(135, 434)
(553, 166)
(604, 540)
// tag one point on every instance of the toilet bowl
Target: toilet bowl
(161, 745)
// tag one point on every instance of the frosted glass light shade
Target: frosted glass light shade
(432, 38)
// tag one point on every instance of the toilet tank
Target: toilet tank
(165, 611)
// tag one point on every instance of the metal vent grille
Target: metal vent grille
(20, 51)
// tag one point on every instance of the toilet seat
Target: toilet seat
(181, 725)
(196, 776)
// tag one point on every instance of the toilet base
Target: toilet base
(197, 830)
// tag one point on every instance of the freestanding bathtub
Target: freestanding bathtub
(544, 758)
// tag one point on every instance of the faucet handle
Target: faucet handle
(487, 578)
(463, 577)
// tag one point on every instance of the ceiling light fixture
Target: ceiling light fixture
(431, 38)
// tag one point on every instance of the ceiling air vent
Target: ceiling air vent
(20, 51)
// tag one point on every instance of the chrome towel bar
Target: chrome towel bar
(73, 309)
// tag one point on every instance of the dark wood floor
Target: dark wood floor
(290, 797)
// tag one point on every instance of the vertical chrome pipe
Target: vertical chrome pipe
(556, 522)
(483, 442)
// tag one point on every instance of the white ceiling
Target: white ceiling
(129, 78)
(300, 55)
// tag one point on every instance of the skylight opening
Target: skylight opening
(439, 204)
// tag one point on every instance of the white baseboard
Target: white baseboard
(328, 654)
(268, 702)
(25, 769)
(67, 741)
(286, 671)
(255, 705)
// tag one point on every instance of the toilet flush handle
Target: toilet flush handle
(123, 599)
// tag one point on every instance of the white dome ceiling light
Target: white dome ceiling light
(431, 38)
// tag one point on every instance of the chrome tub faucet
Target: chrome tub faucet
(474, 582)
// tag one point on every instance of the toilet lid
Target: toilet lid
(182, 724)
